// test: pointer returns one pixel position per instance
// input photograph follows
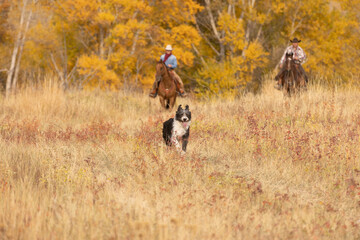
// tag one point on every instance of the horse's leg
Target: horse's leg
(300, 80)
(305, 86)
(286, 87)
(299, 85)
(162, 101)
(288, 90)
(172, 102)
(293, 88)
(285, 90)
(303, 83)
(294, 84)
(297, 90)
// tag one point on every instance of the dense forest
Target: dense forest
(222, 46)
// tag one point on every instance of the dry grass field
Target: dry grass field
(93, 165)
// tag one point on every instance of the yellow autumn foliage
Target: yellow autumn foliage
(234, 31)
(95, 73)
(217, 80)
(220, 45)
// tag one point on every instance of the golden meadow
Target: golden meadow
(93, 165)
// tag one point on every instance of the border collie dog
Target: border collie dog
(178, 129)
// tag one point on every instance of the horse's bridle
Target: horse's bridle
(288, 65)
(296, 62)
(159, 76)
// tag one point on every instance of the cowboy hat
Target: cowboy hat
(295, 40)
(168, 48)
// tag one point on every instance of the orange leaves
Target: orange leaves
(123, 35)
(119, 39)
(186, 35)
(172, 12)
(218, 79)
(79, 11)
(95, 72)
(105, 18)
(256, 55)
(234, 31)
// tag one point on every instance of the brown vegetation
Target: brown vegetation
(93, 165)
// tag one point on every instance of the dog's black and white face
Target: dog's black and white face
(183, 116)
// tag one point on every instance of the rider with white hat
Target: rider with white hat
(170, 61)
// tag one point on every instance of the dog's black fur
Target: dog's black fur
(178, 128)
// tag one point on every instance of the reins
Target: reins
(167, 72)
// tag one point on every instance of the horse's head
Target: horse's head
(160, 70)
(288, 60)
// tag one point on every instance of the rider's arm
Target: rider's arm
(302, 56)
(172, 61)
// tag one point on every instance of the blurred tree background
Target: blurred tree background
(223, 47)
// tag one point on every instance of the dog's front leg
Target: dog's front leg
(176, 142)
(185, 140)
(184, 144)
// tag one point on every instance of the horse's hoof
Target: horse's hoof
(277, 86)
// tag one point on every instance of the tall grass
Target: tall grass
(93, 165)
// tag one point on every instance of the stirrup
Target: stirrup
(183, 94)
(153, 95)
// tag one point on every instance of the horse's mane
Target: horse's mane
(163, 63)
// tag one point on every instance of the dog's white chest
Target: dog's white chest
(179, 128)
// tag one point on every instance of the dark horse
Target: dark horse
(167, 88)
(292, 78)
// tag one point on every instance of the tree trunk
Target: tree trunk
(15, 51)
(18, 61)
(216, 33)
(65, 72)
(101, 44)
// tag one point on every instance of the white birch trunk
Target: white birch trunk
(213, 26)
(15, 51)
(18, 61)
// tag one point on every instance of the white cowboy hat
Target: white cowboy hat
(168, 48)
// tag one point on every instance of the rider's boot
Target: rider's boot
(181, 91)
(153, 93)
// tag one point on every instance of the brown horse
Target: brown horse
(293, 80)
(167, 88)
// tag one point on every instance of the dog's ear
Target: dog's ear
(187, 107)
(179, 108)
